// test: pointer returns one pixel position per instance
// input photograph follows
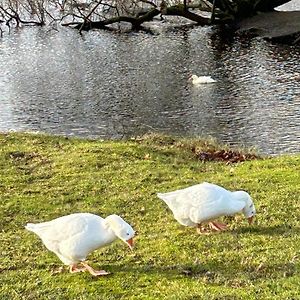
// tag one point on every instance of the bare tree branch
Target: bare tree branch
(106, 14)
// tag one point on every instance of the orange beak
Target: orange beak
(130, 243)
(250, 220)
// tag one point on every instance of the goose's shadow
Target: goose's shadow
(169, 271)
(270, 230)
(210, 271)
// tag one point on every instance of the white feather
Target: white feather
(74, 236)
(202, 79)
(205, 202)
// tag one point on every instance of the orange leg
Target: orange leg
(75, 269)
(86, 267)
(217, 226)
(214, 226)
(93, 271)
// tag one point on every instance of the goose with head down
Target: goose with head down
(74, 236)
(205, 202)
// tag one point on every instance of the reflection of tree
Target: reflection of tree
(123, 85)
(114, 87)
(147, 78)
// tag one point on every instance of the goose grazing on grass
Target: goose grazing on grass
(74, 236)
(203, 203)
(201, 79)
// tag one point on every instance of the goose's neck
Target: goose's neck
(103, 235)
(108, 236)
(241, 196)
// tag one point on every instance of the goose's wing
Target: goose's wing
(203, 202)
(180, 208)
(195, 204)
(206, 79)
(56, 234)
(210, 201)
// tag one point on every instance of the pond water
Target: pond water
(107, 85)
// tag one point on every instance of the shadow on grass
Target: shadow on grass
(270, 230)
(213, 271)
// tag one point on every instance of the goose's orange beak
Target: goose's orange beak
(250, 220)
(130, 243)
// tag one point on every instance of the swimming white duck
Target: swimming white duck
(202, 203)
(74, 236)
(201, 79)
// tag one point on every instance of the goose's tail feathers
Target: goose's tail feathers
(160, 196)
(30, 226)
(168, 197)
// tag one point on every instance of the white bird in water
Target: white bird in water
(74, 236)
(203, 203)
(201, 79)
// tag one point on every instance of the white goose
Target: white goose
(74, 236)
(205, 202)
(201, 79)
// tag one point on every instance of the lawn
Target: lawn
(44, 177)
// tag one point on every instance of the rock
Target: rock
(281, 26)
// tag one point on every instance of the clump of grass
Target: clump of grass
(226, 155)
(202, 149)
(44, 177)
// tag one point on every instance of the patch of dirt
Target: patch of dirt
(20, 155)
(229, 156)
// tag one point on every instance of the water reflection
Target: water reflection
(107, 85)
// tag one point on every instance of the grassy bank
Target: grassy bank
(45, 177)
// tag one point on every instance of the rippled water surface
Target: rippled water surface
(107, 85)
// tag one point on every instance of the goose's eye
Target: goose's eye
(127, 233)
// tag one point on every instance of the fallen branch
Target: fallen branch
(179, 10)
(102, 14)
(136, 22)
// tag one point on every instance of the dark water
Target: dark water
(106, 85)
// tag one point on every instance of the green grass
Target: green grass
(44, 177)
